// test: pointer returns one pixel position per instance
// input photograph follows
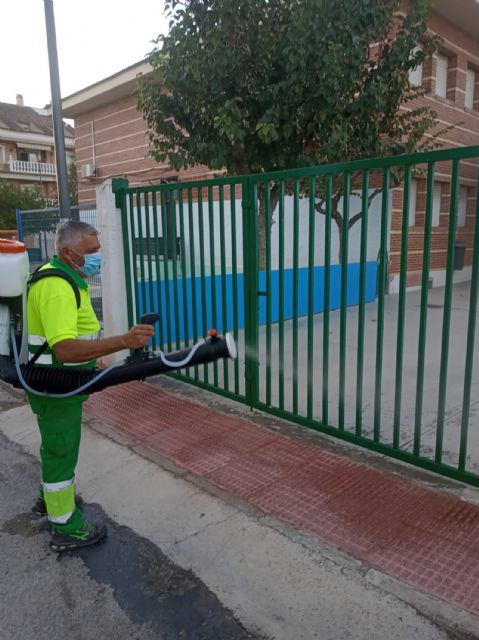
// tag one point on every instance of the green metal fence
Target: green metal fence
(351, 290)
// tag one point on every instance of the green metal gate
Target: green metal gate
(351, 291)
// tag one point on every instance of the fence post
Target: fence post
(114, 297)
(18, 215)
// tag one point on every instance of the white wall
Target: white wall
(374, 229)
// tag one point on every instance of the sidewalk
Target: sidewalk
(424, 537)
(280, 580)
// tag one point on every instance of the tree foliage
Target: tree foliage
(12, 198)
(72, 183)
(257, 85)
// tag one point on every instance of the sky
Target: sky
(95, 39)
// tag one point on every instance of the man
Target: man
(68, 324)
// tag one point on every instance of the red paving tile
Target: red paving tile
(423, 537)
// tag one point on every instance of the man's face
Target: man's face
(74, 256)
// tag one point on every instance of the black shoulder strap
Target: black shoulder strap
(46, 273)
(37, 354)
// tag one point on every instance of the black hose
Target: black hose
(64, 380)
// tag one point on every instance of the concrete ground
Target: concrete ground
(455, 373)
(179, 544)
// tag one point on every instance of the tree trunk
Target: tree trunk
(341, 240)
(264, 225)
(338, 219)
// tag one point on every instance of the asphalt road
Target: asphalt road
(124, 588)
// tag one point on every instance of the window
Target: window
(415, 75)
(462, 207)
(28, 156)
(2, 155)
(442, 64)
(412, 203)
(470, 88)
(436, 205)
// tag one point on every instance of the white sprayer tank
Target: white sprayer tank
(14, 269)
(14, 272)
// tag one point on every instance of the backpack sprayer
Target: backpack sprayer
(62, 382)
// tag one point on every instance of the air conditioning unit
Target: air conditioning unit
(88, 171)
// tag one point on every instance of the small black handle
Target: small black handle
(149, 318)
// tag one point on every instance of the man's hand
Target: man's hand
(73, 351)
(138, 336)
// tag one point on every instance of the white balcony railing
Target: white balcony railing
(36, 168)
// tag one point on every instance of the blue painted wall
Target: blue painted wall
(184, 319)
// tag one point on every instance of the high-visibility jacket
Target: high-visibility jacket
(52, 314)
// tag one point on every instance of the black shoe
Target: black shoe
(89, 534)
(40, 508)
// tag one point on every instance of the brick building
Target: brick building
(110, 135)
(451, 81)
(111, 138)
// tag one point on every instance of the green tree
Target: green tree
(258, 85)
(13, 197)
(73, 183)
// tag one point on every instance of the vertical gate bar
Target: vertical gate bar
(344, 301)
(255, 307)
(172, 245)
(194, 301)
(223, 280)
(295, 292)
(158, 267)
(234, 275)
(362, 301)
(267, 194)
(327, 298)
(203, 274)
(186, 331)
(446, 323)
(381, 294)
(142, 256)
(401, 305)
(166, 268)
(129, 263)
(134, 248)
(281, 293)
(311, 238)
(423, 312)
(211, 224)
(471, 329)
(148, 253)
(250, 261)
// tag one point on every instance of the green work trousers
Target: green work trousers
(59, 421)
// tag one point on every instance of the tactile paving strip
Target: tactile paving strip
(423, 537)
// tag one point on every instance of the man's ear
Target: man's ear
(63, 253)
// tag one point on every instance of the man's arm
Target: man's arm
(84, 350)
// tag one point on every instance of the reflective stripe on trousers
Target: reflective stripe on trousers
(60, 500)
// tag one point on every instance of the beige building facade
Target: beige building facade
(27, 152)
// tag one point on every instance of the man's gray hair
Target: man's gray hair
(70, 234)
